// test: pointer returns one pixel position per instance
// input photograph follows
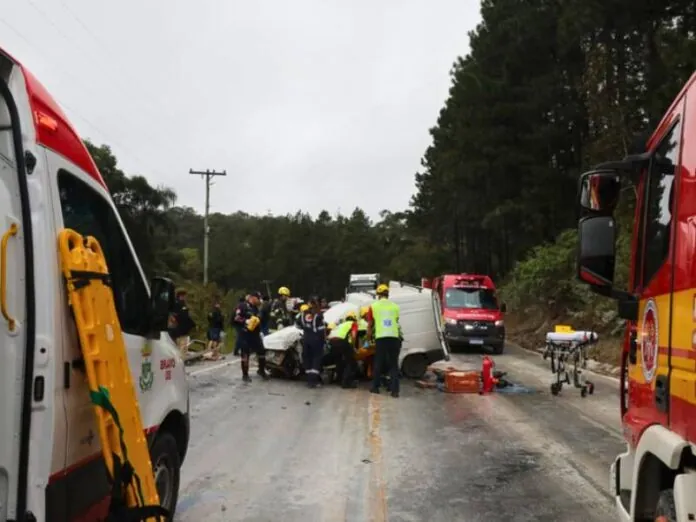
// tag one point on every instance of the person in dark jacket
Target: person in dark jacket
(216, 323)
(237, 327)
(265, 314)
(247, 317)
(181, 323)
(313, 341)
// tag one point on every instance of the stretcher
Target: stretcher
(567, 351)
(134, 494)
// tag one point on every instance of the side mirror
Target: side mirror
(503, 308)
(597, 251)
(598, 192)
(162, 302)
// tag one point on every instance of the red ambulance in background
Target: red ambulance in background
(472, 313)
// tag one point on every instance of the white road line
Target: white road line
(211, 368)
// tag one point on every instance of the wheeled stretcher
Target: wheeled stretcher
(568, 354)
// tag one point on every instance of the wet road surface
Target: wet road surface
(275, 450)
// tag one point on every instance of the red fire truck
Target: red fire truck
(655, 479)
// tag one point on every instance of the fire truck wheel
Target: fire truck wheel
(666, 511)
(166, 466)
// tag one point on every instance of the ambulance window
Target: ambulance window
(658, 204)
(88, 213)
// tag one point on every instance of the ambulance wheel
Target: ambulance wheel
(414, 366)
(555, 388)
(666, 511)
(166, 467)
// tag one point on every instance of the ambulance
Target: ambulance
(655, 478)
(51, 465)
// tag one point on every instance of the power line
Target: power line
(208, 175)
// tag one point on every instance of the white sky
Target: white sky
(308, 104)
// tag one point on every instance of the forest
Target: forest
(548, 89)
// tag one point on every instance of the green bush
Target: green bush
(546, 280)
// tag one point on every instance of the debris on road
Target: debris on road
(454, 380)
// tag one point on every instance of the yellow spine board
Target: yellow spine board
(106, 361)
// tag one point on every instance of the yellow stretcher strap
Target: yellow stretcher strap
(134, 495)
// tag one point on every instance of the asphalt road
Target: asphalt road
(275, 450)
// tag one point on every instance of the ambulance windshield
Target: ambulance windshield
(470, 298)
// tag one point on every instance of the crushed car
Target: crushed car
(421, 322)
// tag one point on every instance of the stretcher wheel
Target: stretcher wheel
(555, 388)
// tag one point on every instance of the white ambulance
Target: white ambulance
(51, 466)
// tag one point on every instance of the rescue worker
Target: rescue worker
(343, 339)
(181, 323)
(247, 317)
(280, 315)
(324, 305)
(237, 327)
(216, 323)
(303, 308)
(313, 341)
(385, 329)
(265, 314)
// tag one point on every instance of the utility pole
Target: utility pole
(208, 175)
(268, 287)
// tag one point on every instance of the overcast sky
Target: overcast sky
(308, 104)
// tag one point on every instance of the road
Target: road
(276, 450)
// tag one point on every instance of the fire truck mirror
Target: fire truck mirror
(163, 300)
(598, 192)
(597, 250)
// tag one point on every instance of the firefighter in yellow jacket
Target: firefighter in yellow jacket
(385, 329)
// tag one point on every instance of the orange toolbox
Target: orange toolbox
(462, 382)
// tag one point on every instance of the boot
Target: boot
(245, 371)
(262, 368)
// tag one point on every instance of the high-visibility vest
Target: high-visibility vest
(385, 314)
(362, 325)
(341, 331)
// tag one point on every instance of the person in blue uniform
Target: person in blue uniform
(246, 316)
(314, 340)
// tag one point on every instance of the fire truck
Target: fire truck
(51, 464)
(655, 478)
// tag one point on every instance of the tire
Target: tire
(498, 349)
(166, 466)
(414, 366)
(291, 365)
(666, 511)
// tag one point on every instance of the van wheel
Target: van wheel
(414, 366)
(666, 511)
(166, 467)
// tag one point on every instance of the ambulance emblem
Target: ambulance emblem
(649, 341)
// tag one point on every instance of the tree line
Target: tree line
(548, 89)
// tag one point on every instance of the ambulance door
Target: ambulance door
(649, 360)
(13, 304)
(85, 206)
